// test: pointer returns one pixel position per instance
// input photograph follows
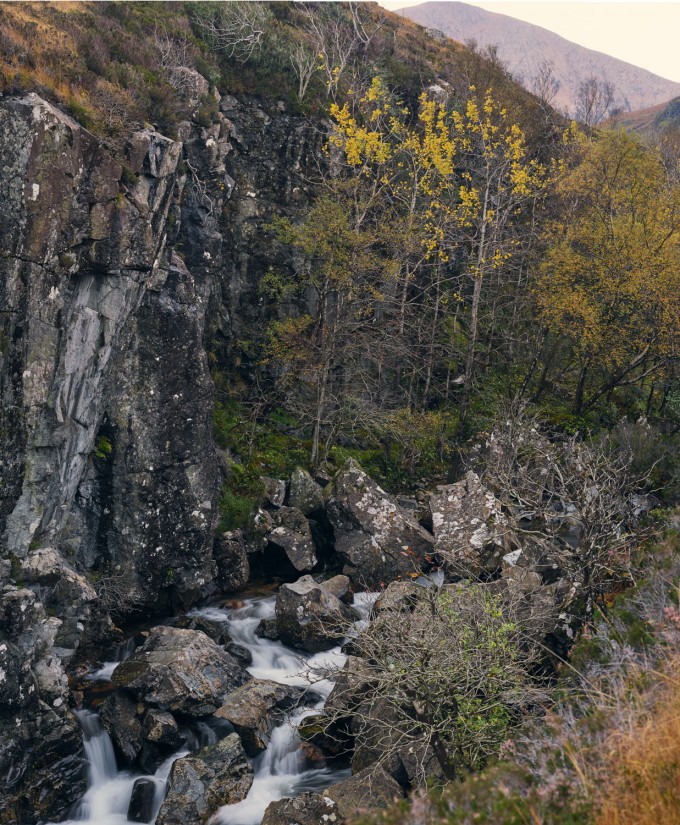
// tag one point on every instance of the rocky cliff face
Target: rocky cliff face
(115, 274)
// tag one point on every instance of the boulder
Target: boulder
(274, 490)
(365, 791)
(231, 559)
(240, 652)
(350, 688)
(254, 709)
(217, 631)
(376, 538)
(306, 809)
(201, 783)
(310, 617)
(399, 596)
(293, 535)
(118, 714)
(472, 534)
(267, 629)
(141, 807)
(304, 493)
(180, 671)
(338, 586)
(160, 727)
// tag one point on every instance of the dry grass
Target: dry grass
(642, 765)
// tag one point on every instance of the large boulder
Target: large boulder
(180, 671)
(306, 809)
(304, 493)
(377, 539)
(254, 709)
(472, 534)
(293, 535)
(201, 783)
(365, 791)
(310, 617)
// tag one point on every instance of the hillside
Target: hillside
(653, 120)
(524, 47)
(339, 427)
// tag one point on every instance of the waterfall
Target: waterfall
(280, 771)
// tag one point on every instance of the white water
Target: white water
(107, 799)
(121, 653)
(280, 771)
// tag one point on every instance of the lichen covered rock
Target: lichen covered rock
(471, 532)
(377, 539)
(180, 671)
(310, 617)
(201, 783)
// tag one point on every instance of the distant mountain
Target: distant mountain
(653, 120)
(523, 47)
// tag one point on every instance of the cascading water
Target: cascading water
(280, 771)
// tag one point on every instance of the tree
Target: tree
(610, 281)
(442, 679)
(499, 181)
(593, 100)
(544, 83)
(236, 28)
(586, 484)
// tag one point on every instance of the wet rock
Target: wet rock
(199, 784)
(240, 652)
(471, 532)
(267, 629)
(306, 809)
(365, 791)
(43, 772)
(217, 631)
(180, 671)
(329, 738)
(310, 617)
(294, 536)
(160, 727)
(376, 538)
(141, 808)
(231, 559)
(304, 493)
(118, 714)
(254, 709)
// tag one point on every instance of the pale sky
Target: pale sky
(644, 34)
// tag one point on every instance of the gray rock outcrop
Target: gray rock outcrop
(293, 535)
(310, 617)
(180, 671)
(201, 783)
(471, 532)
(377, 539)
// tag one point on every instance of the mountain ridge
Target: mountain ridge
(524, 46)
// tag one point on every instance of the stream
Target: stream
(280, 771)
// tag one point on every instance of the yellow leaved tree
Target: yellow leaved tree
(418, 223)
(610, 281)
